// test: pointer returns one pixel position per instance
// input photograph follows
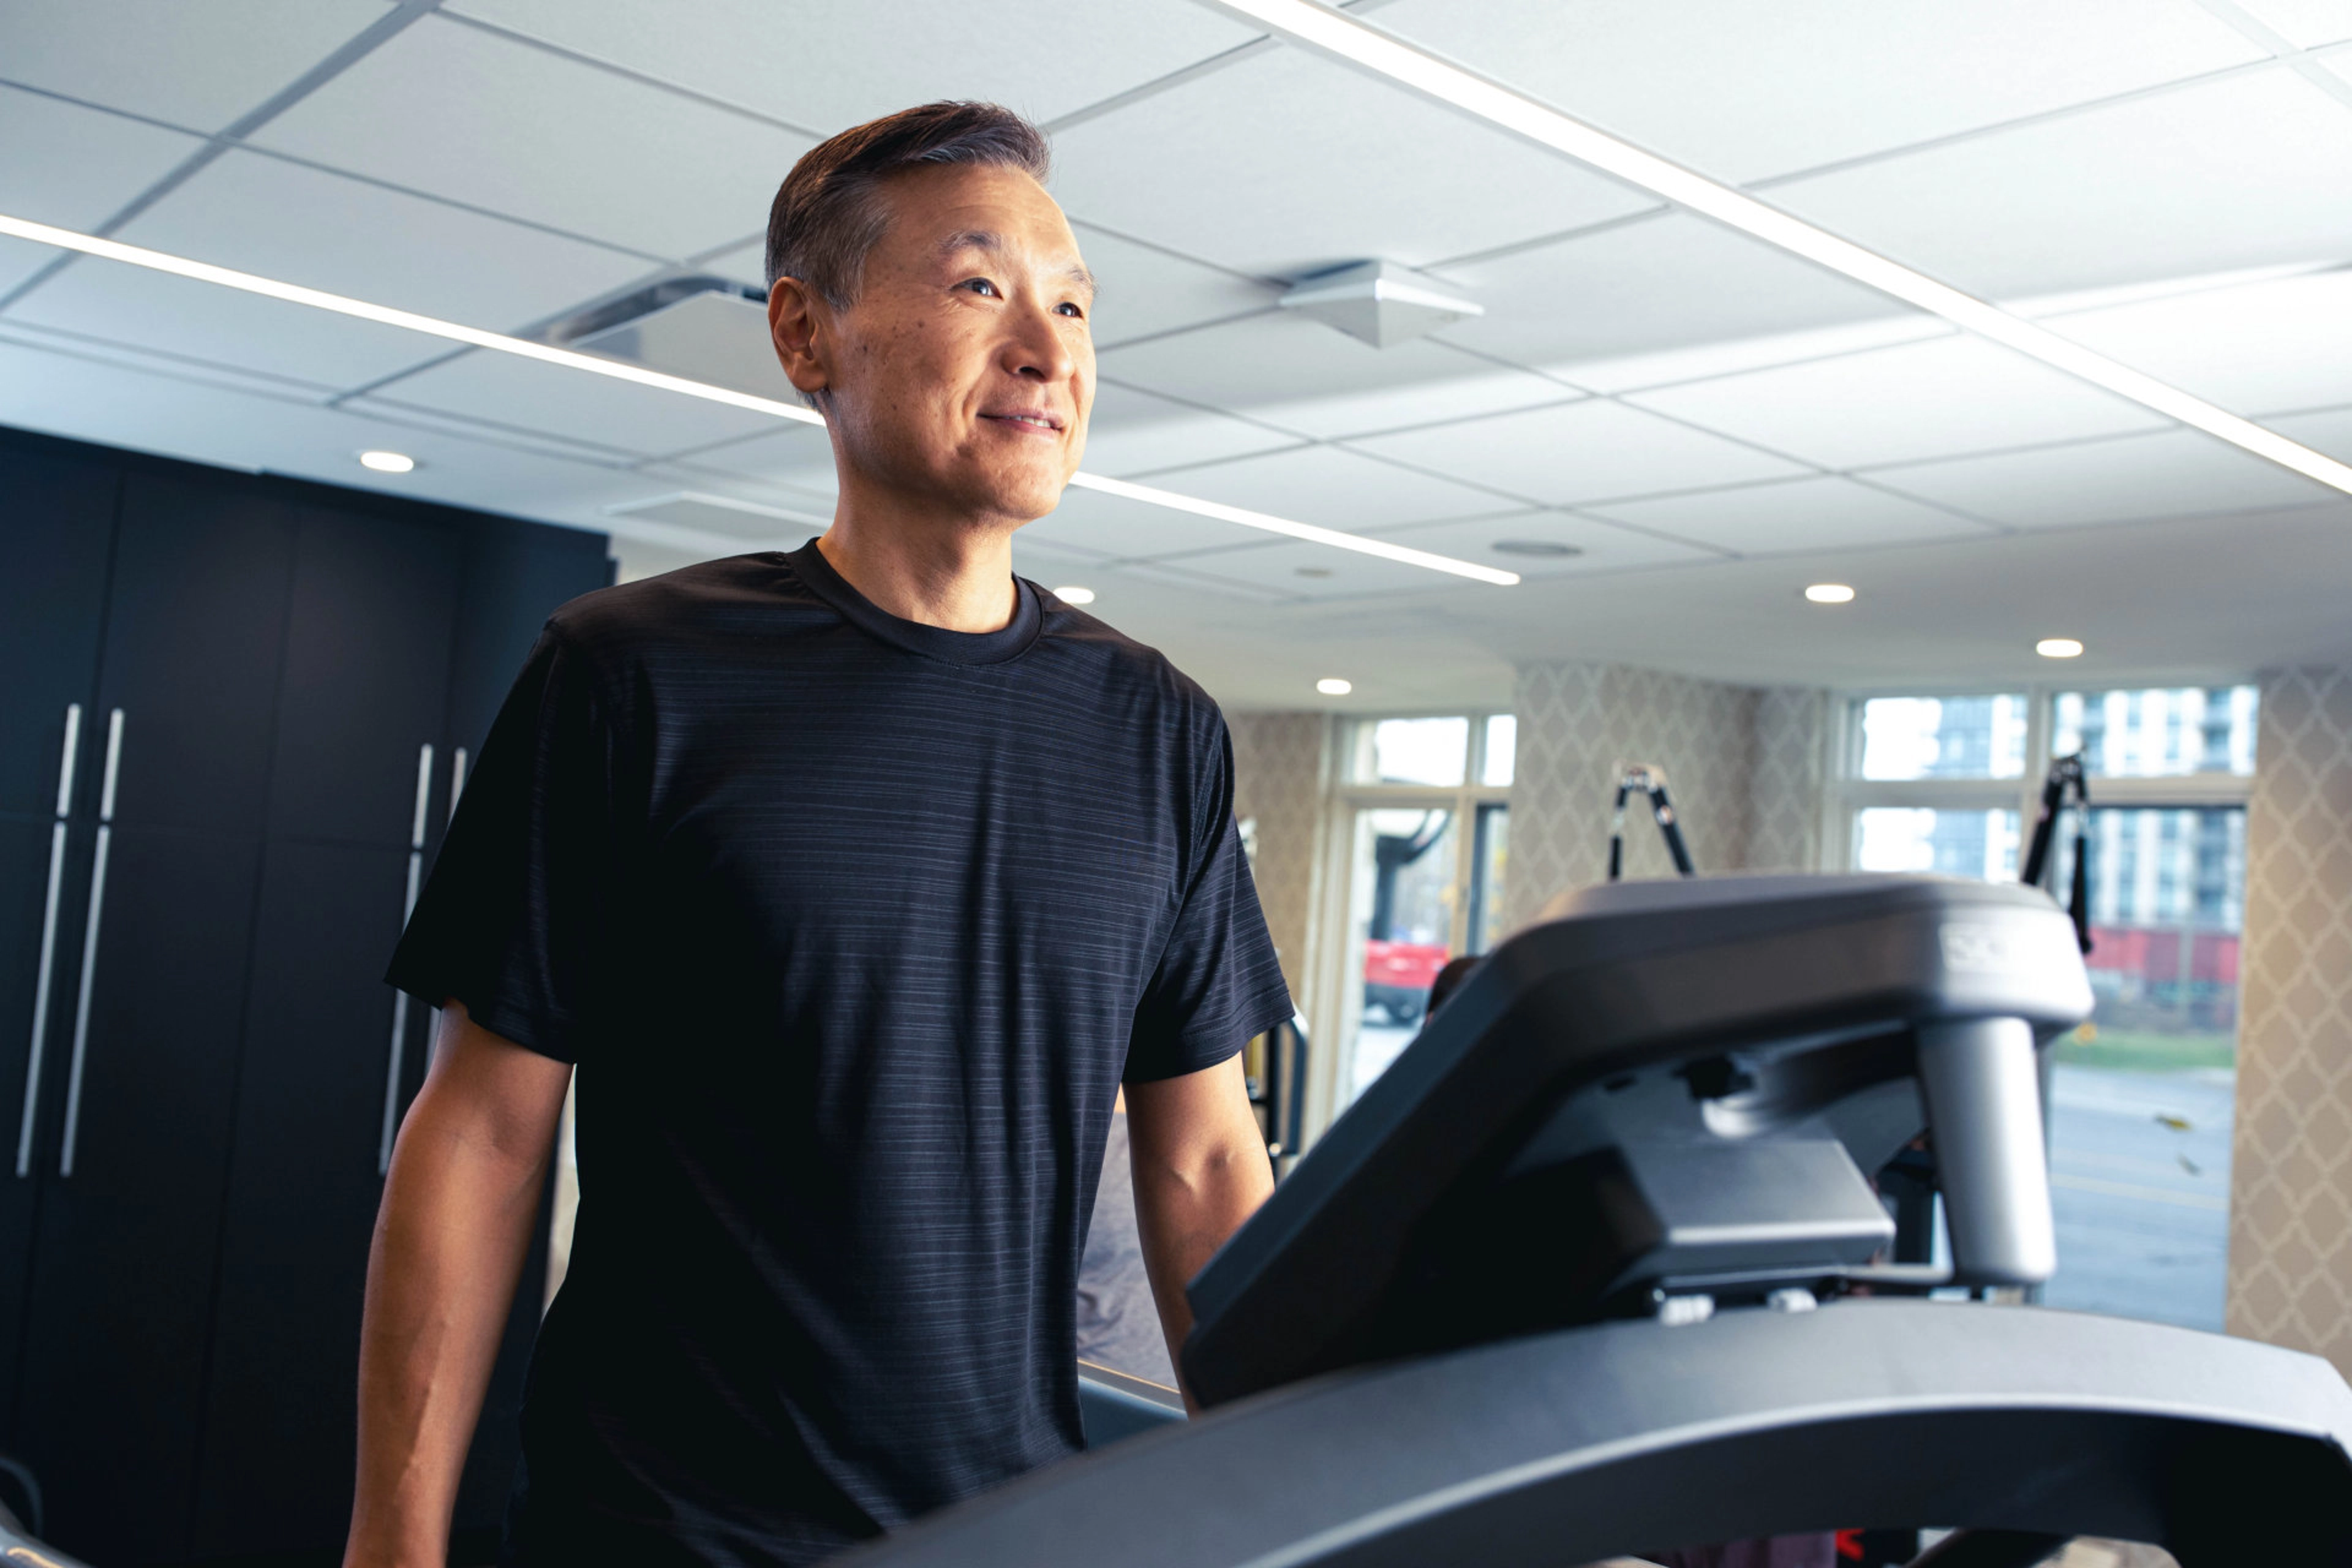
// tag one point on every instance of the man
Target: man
(855, 881)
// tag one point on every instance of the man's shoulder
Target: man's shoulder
(1127, 665)
(683, 610)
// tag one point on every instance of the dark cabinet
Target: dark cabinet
(284, 675)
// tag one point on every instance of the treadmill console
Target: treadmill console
(1661, 1097)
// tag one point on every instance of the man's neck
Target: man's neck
(956, 577)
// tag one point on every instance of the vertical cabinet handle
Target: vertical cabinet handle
(89, 942)
(400, 998)
(49, 940)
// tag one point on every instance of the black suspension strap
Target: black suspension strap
(1650, 780)
(2066, 778)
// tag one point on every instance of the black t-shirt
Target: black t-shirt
(853, 926)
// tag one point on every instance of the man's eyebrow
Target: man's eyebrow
(994, 243)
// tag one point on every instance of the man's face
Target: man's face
(963, 374)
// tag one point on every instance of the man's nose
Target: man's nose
(1036, 348)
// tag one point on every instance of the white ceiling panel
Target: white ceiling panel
(1670, 367)
(1580, 452)
(799, 456)
(1658, 284)
(2281, 344)
(745, 263)
(2328, 430)
(831, 64)
(455, 111)
(1135, 432)
(352, 237)
(1744, 91)
(1930, 399)
(1145, 291)
(2306, 24)
(501, 390)
(197, 66)
(154, 311)
(1124, 588)
(1284, 163)
(2202, 179)
(1599, 546)
(1113, 527)
(2175, 473)
(1333, 488)
(1295, 569)
(1793, 515)
(1301, 375)
(61, 164)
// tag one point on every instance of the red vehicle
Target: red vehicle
(1397, 975)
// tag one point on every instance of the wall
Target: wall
(1279, 761)
(2291, 1210)
(1743, 766)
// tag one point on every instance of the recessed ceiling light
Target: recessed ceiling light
(387, 462)
(1075, 594)
(1538, 549)
(1369, 47)
(1332, 686)
(621, 369)
(2059, 648)
(1830, 593)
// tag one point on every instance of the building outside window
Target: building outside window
(1423, 836)
(2142, 1097)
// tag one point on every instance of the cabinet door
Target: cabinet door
(367, 677)
(276, 1472)
(120, 1292)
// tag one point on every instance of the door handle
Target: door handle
(49, 940)
(89, 942)
(400, 998)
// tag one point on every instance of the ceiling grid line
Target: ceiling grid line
(2283, 50)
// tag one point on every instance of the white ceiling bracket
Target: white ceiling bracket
(1380, 303)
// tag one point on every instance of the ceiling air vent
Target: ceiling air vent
(1380, 303)
(704, 329)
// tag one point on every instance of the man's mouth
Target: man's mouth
(1028, 419)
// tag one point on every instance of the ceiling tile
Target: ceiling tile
(2285, 343)
(850, 61)
(1332, 488)
(1792, 515)
(1599, 546)
(797, 455)
(1146, 290)
(1302, 376)
(156, 311)
(1295, 569)
(745, 263)
(1114, 527)
(1283, 164)
(1121, 583)
(2176, 473)
(61, 164)
(1579, 452)
(1661, 283)
(197, 66)
(1135, 432)
(1929, 399)
(458, 112)
(1743, 91)
(2197, 180)
(1701, 361)
(351, 237)
(501, 390)
(2306, 24)
(2328, 430)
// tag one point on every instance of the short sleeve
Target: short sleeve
(514, 920)
(1218, 982)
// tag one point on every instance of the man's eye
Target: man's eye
(1067, 309)
(982, 286)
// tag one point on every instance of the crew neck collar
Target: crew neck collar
(932, 642)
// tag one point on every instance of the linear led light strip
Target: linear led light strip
(499, 343)
(1359, 44)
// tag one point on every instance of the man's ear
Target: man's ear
(796, 319)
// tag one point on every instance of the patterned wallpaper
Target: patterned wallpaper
(1279, 780)
(1743, 766)
(2291, 1212)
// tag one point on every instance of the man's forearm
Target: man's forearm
(449, 1245)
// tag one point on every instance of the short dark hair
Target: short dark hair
(827, 215)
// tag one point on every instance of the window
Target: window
(2141, 1099)
(1424, 814)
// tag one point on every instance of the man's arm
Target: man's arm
(449, 1245)
(1200, 1171)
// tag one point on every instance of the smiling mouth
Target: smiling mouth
(1028, 421)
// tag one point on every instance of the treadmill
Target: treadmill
(1595, 1268)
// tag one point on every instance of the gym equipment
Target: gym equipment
(2066, 777)
(1649, 779)
(1275, 1066)
(1582, 1275)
